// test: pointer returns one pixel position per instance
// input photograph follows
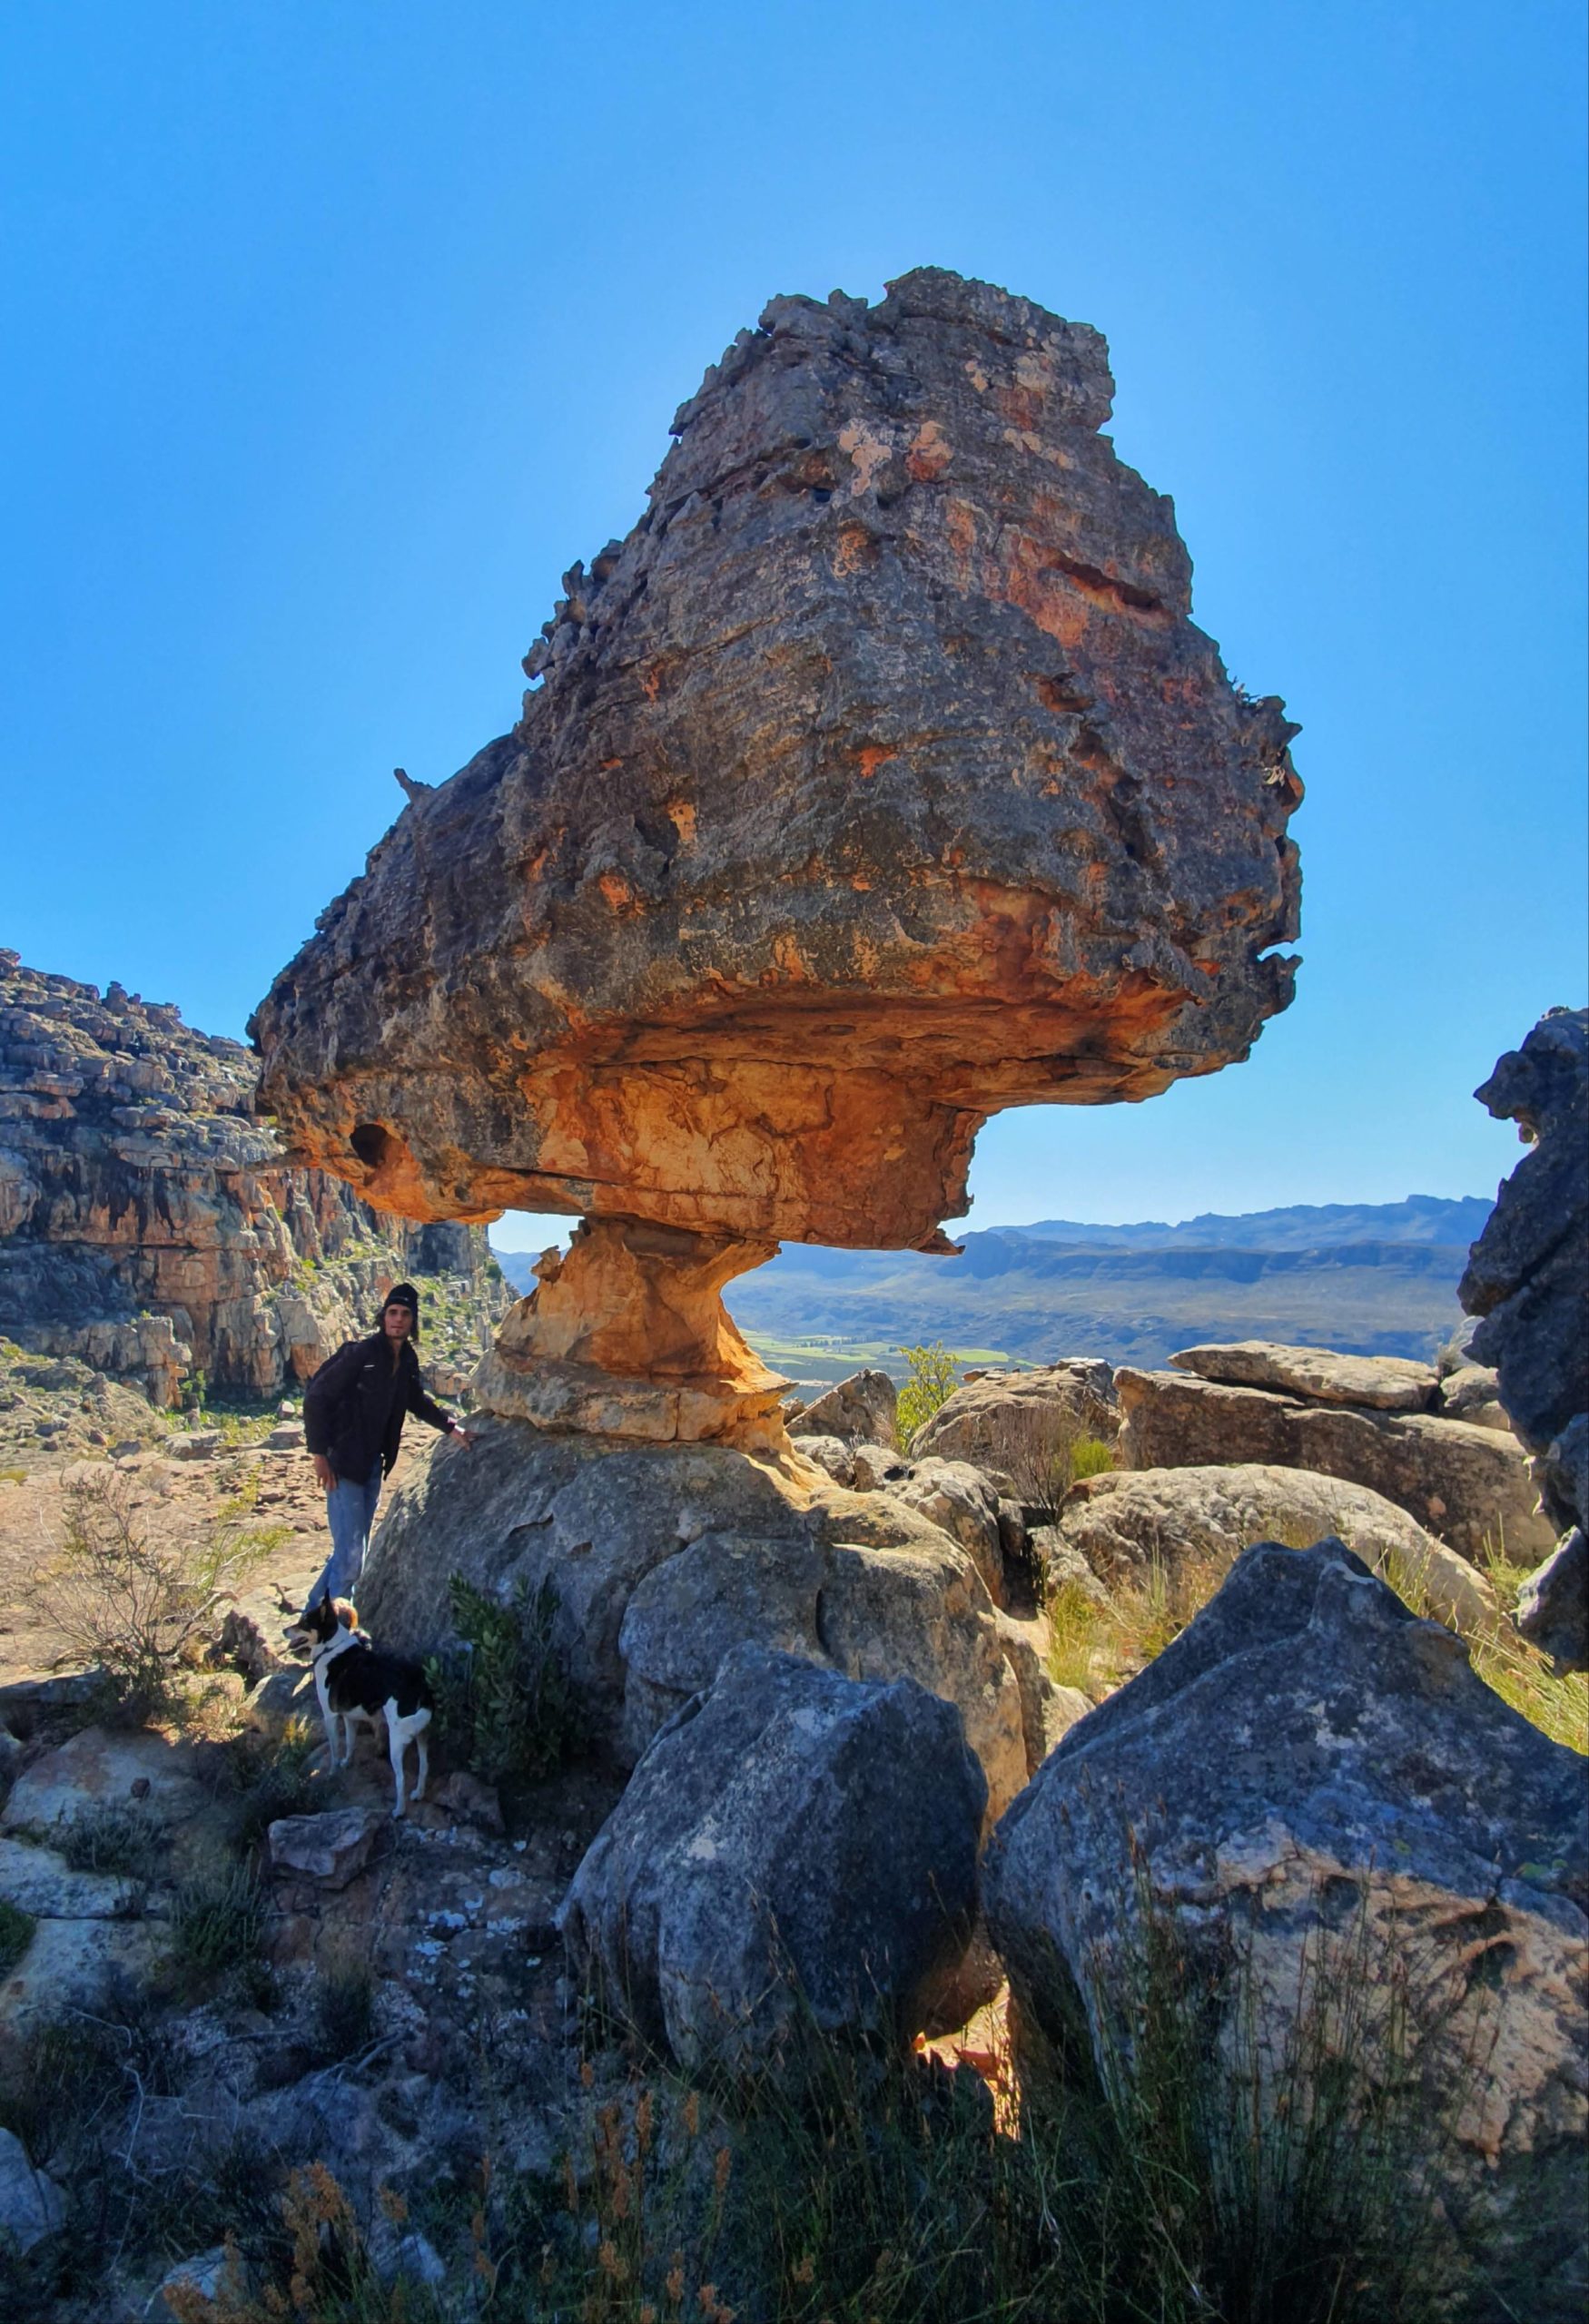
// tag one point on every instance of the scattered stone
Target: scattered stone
(795, 1848)
(290, 1440)
(1128, 1522)
(31, 2204)
(102, 1767)
(1468, 1486)
(862, 1409)
(330, 1848)
(1307, 1775)
(1389, 1383)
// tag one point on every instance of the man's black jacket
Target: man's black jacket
(353, 1407)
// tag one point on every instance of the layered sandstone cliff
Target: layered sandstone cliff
(878, 780)
(149, 1225)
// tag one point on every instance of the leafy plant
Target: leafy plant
(929, 1384)
(1043, 1450)
(504, 1700)
(134, 1606)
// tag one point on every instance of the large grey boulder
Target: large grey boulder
(1310, 1791)
(662, 1557)
(861, 1410)
(794, 1849)
(960, 1500)
(1130, 1521)
(1321, 1375)
(1468, 1486)
(31, 2204)
(1528, 1278)
(1012, 1423)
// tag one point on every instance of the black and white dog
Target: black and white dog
(356, 1683)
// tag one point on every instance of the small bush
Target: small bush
(504, 1701)
(218, 1920)
(1090, 1457)
(1044, 1450)
(929, 1384)
(266, 1781)
(135, 1607)
(16, 1928)
(112, 1839)
(344, 2006)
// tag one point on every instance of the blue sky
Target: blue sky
(331, 334)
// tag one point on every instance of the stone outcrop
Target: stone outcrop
(149, 1226)
(1528, 1278)
(664, 1558)
(862, 1409)
(1385, 1384)
(1012, 1425)
(1311, 1794)
(796, 1852)
(1124, 1525)
(1468, 1486)
(878, 780)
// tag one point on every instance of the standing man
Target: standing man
(353, 1413)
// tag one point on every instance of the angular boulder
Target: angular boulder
(960, 1500)
(1319, 1375)
(1126, 1524)
(1528, 1278)
(330, 1848)
(1309, 1791)
(862, 1409)
(1468, 1486)
(794, 1850)
(1011, 1425)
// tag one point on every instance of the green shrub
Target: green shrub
(1090, 1457)
(929, 1384)
(218, 1920)
(112, 1839)
(16, 1928)
(504, 1700)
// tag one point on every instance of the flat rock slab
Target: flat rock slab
(1470, 1487)
(331, 1848)
(1386, 1383)
(38, 1881)
(76, 1965)
(101, 1768)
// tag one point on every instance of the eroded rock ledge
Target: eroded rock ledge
(879, 779)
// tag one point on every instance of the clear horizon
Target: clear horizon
(328, 356)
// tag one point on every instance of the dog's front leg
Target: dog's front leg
(424, 1764)
(397, 1742)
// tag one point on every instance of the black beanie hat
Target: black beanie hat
(403, 1294)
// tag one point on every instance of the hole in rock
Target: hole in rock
(371, 1142)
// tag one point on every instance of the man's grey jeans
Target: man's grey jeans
(350, 1514)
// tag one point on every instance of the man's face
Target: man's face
(397, 1323)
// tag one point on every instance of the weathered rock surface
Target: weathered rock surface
(37, 1880)
(1470, 1487)
(663, 1557)
(1125, 1523)
(1472, 1391)
(1306, 1757)
(963, 1502)
(862, 1409)
(1319, 1375)
(31, 2204)
(1009, 1424)
(331, 1848)
(1528, 1278)
(878, 780)
(149, 1226)
(795, 1848)
(100, 1768)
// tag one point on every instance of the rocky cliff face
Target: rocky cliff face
(878, 780)
(149, 1225)
(1528, 1278)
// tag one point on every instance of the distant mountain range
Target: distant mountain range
(1375, 1278)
